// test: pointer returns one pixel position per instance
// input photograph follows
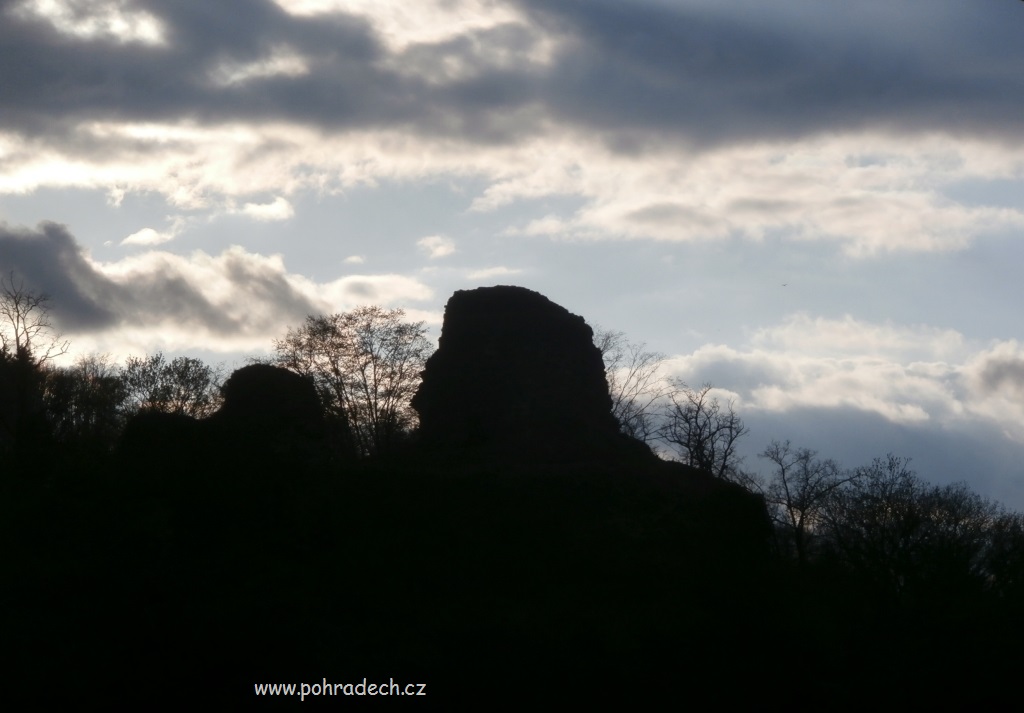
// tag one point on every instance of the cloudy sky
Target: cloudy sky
(816, 206)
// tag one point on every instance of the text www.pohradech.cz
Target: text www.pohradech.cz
(340, 689)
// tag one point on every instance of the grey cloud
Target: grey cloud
(53, 79)
(736, 71)
(669, 213)
(265, 286)
(49, 261)
(973, 453)
(1003, 374)
(84, 300)
(52, 84)
(755, 70)
(154, 297)
(761, 206)
(361, 290)
(973, 450)
(741, 376)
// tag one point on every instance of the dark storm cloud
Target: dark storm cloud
(49, 77)
(784, 69)
(704, 72)
(49, 261)
(52, 82)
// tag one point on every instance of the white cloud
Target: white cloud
(821, 189)
(105, 20)
(281, 62)
(436, 246)
(147, 236)
(868, 193)
(402, 23)
(820, 337)
(547, 226)
(354, 260)
(906, 374)
(278, 209)
(388, 289)
(115, 196)
(236, 301)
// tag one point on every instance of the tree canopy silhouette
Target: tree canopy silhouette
(184, 385)
(192, 528)
(85, 402)
(366, 365)
(801, 490)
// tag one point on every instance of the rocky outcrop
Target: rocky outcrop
(516, 377)
(270, 416)
(271, 399)
(163, 443)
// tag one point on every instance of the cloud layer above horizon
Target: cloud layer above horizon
(670, 121)
(814, 205)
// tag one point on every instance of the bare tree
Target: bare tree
(799, 491)
(910, 539)
(183, 385)
(26, 332)
(85, 402)
(635, 383)
(28, 340)
(667, 414)
(702, 432)
(366, 364)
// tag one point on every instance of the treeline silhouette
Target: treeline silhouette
(488, 519)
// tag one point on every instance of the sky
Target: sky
(817, 207)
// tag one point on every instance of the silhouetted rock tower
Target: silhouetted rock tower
(517, 377)
(271, 399)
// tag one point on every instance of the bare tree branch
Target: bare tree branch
(702, 432)
(184, 385)
(366, 365)
(800, 492)
(635, 383)
(26, 331)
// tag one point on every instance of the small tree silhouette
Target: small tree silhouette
(800, 492)
(703, 433)
(26, 332)
(85, 402)
(635, 383)
(366, 365)
(184, 385)
(28, 341)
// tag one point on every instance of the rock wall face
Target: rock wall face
(515, 376)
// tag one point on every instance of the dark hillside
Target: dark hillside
(519, 549)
